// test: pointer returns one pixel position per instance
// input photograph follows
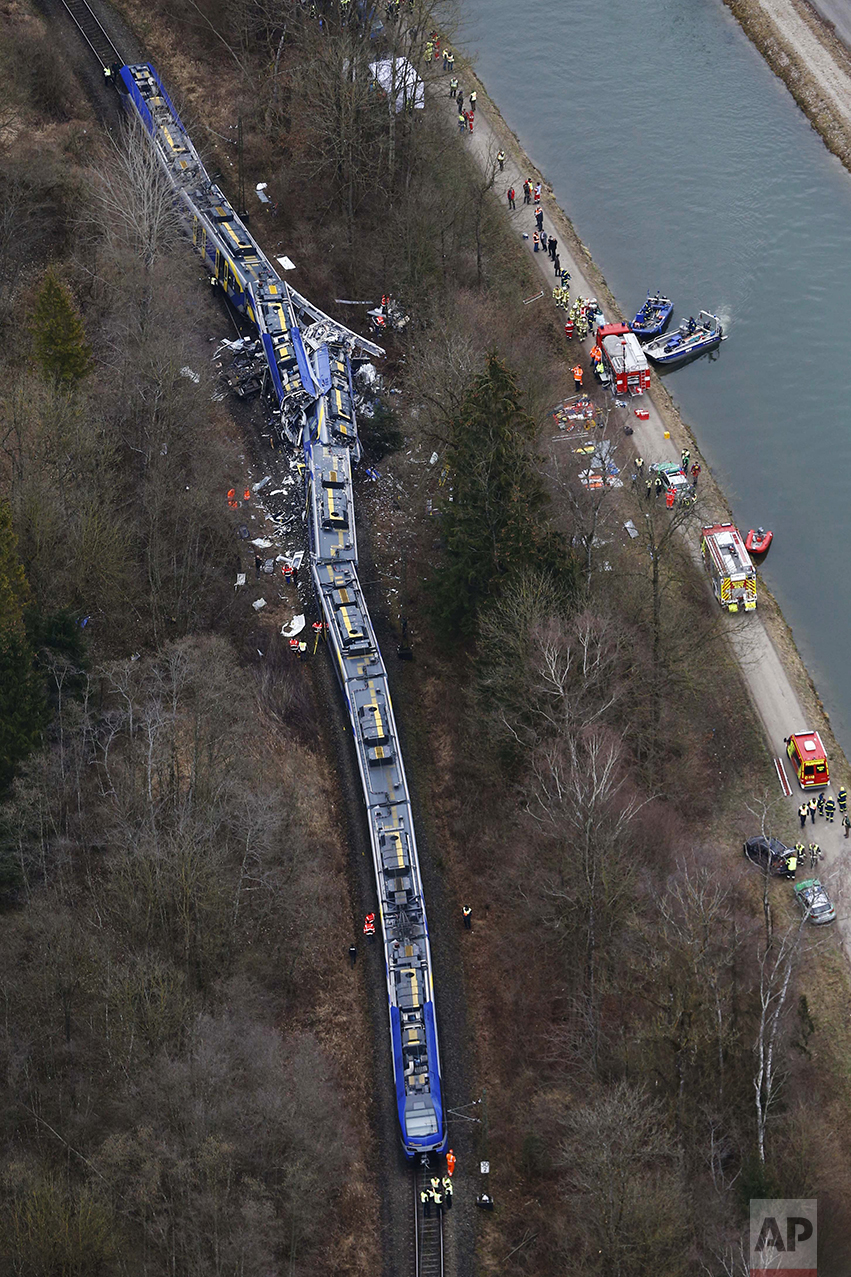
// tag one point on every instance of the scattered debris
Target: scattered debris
(258, 487)
(631, 529)
(295, 626)
(258, 603)
(187, 372)
(285, 263)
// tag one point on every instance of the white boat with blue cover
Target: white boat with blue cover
(693, 337)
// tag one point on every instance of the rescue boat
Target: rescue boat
(651, 319)
(758, 540)
(693, 337)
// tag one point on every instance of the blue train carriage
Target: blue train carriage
(413, 1026)
(143, 93)
(333, 537)
(333, 370)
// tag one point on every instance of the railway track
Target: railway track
(334, 569)
(93, 33)
(428, 1231)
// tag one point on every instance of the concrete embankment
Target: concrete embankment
(805, 51)
(780, 687)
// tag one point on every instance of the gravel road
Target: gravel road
(772, 676)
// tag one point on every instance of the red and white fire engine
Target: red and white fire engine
(624, 359)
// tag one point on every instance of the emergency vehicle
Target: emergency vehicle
(807, 756)
(624, 359)
(729, 566)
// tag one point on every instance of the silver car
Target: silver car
(814, 901)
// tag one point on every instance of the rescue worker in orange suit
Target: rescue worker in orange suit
(451, 1159)
(577, 377)
(369, 926)
(467, 914)
(232, 501)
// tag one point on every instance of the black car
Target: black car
(770, 854)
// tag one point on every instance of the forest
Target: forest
(659, 1037)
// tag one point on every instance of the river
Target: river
(686, 166)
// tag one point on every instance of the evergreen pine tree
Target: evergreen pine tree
(496, 524)
(59, 338)
(22, 700)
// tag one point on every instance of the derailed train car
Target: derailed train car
(309, 369)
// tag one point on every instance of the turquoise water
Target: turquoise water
(686, 166)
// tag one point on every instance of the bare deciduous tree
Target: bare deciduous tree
(621, 1168)
(578, 796)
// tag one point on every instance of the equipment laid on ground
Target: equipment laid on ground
(729, 566)
(624, 359)
(308, 359)
(807, 756)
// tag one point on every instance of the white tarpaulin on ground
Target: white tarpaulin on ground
(406, 82)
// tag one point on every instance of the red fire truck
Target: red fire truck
(624, 359)
(729, 566)
(807, 756)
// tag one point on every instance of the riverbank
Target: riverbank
(781, 688)
(804, 51)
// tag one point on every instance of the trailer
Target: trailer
(729, 566)
(624, 359)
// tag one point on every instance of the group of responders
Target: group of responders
(825, 805)
(437, 1194)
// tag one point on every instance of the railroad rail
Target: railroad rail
(428, 1230)
(90, 28)
(308, 381)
